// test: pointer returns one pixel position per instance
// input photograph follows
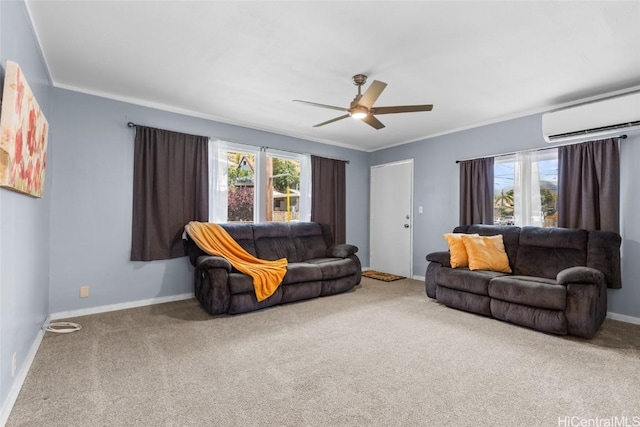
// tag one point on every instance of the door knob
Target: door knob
(406, 226)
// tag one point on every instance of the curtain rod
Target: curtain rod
(296, 152)
(533, 150)
(132, 125)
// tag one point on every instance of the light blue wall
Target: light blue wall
(437, 187)
(24, 220)
(92, 199)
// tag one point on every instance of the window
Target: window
(526, 188)
(288, 186)
(241, 186)
(249, 185)
(233, 170)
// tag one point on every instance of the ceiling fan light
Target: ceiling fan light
(359, 112)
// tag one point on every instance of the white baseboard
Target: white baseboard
(120, 306)
(22, 376)
(623, 318)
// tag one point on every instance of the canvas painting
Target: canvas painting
(23, 136)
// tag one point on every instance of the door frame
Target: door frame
(411, 222)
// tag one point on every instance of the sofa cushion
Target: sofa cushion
(466, 301)
(530, 291)
(552, 321)
(300, 291)
(603, 253)
(298, 272)
(342, 250)
(336, 286)
(457, 251)
(544, 252)
(242, 234)
(486, 253)
(245, 302)
(510, 237)
(273, 241)
(334, 268)
(308, 240)
(476, 282)
(240, 283)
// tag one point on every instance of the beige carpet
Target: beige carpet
(380, 355)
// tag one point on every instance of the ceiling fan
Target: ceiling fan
(362, 105)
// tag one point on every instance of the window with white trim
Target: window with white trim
(288, 192)
(247, 184)
(526, 188)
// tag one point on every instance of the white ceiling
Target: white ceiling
(243, 62)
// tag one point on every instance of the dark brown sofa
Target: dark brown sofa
(316, 267)
(559, 281)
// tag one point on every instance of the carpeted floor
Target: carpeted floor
(377, 356)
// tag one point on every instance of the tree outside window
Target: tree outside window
(543, 170)
(241, 186)
(283, 192)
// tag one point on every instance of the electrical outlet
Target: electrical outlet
(13, 365)
(84, 291)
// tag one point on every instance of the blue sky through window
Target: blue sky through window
(504, 170)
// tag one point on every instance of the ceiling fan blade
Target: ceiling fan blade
(373, 122)
(315, 104)
(331, 121)
(372, 93)
(401, 109)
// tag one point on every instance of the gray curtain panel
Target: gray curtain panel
(328, 195)
(476, 191)
(170, 188)
(589, 185)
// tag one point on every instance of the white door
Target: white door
(391, 223)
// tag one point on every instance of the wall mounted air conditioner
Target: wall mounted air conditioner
(597, 119)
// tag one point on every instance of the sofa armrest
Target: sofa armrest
(440, 257)
(208, 261)
(586, 308)
(580, 275)
(211, 284)
(341, 251)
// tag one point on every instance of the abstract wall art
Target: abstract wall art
(23, 136)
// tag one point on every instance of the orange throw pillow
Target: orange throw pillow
(486, 253)
(457, 251)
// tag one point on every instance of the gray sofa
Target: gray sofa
(316, 267)
(559, 281)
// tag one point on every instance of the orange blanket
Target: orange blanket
(214, 240)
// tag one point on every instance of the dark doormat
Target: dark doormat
(385, 277)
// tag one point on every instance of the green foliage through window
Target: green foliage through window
(286, 174)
